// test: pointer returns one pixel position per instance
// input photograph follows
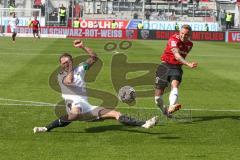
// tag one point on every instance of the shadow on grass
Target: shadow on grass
(99, 129)
(170, 137)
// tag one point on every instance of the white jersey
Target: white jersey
(13, 22)
(78, 87)
(75, 94)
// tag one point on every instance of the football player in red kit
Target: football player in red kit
(35, 27)
(170, 70)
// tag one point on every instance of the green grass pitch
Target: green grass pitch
(211, 92)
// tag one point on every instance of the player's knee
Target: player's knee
(63, 122)
(75, 111)
(118, 114)
(115, 114)
(158, 100)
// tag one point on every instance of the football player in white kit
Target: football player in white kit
(13, 22)
(71, 81)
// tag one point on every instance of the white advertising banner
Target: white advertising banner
(164, 25)
(23, 21)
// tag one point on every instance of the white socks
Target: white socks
(173, 96)
(159, 100)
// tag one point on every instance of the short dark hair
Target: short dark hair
(186, 26)
(65, 55)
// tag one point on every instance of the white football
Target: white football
(127, 94)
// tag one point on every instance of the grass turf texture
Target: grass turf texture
(214, 85)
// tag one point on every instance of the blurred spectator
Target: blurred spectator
(70, 7)
(11, 7)
(62, 14)
(222, 16)
(53, 15)
(135, 16)
(40, 4)
(77, 10)
(228, 20)
(147, 15)
(197, 3)
(140, 25)
(37, 4)
(114, 24)
(76, 23)
(206, 28)
(176, 27)
(11, 3)
(43, 7)
(81, 10)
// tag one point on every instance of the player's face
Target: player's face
(65, 62)
(184, 34)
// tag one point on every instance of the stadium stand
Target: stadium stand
(160, 10)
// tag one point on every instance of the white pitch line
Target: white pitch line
(24, 105)
(16, 100)
(189, 109)
(135, 108)
(52, 54)
(44, 104)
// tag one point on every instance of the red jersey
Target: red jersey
(175, 42)
(35, 24)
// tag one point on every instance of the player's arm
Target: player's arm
(179, 58)
(68, 79)
(17, 21)
(92, 55)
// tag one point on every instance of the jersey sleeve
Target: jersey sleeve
(60, 78)
(83, 67)
(86, 66)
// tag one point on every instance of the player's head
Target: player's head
(35, 17)
(185, 32)
(64, 60)
(13, 15)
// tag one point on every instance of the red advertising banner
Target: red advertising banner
(196, 36)
(233, 36)
(82, 33)
(121, 24)
(125, 33)
(208, 36)
(164, 34)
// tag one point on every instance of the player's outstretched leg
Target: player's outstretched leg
(127, 120)
(124, 119)
(61, 122)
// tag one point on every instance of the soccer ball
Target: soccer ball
(127, 94)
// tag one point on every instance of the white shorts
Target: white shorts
(13, 29)
(81, 102)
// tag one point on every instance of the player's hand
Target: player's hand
(78, 43)
(192, 64)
